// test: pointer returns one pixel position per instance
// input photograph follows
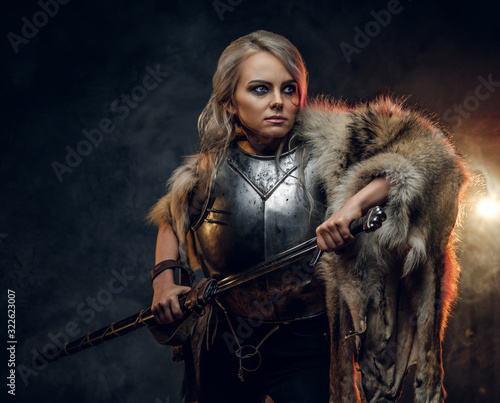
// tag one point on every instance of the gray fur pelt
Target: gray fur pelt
(389, 294)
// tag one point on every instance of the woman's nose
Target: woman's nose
(276, 101)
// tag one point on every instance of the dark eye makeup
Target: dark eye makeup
(290, 89)
(262, 89)
(259, 89)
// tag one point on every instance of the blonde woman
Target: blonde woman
(272, 173)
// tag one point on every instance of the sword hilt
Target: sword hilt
(370, 222)
(199, 296)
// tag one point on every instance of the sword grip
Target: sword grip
(370, 222)
(182, 302)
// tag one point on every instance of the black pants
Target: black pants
(294, 363)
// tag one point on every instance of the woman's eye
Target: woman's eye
(261, 89)
(290, 89)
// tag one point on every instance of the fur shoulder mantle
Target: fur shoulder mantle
(389, 295)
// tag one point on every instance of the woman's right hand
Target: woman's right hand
(165, 306)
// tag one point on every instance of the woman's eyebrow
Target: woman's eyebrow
(269, 83)
(260, 82)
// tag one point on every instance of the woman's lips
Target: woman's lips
(275, 119)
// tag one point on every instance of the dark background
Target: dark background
(61, 239)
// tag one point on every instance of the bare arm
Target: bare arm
(165, 305)
(333, 234)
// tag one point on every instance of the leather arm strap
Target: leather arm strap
(164, 265)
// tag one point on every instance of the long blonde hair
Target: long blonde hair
(216, 126)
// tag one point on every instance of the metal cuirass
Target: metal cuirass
(256, 210)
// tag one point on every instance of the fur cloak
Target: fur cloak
(389, 294)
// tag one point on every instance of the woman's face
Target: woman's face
(266, 101)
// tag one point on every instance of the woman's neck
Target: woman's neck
(257, 150)
(256, 146)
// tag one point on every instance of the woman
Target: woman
(267, 179)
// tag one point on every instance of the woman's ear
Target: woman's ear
(231, 108)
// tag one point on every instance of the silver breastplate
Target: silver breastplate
(256, 210)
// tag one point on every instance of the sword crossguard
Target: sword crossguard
(199, 297)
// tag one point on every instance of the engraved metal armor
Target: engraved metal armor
(256, 210)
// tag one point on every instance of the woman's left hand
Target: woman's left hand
(334, 235)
